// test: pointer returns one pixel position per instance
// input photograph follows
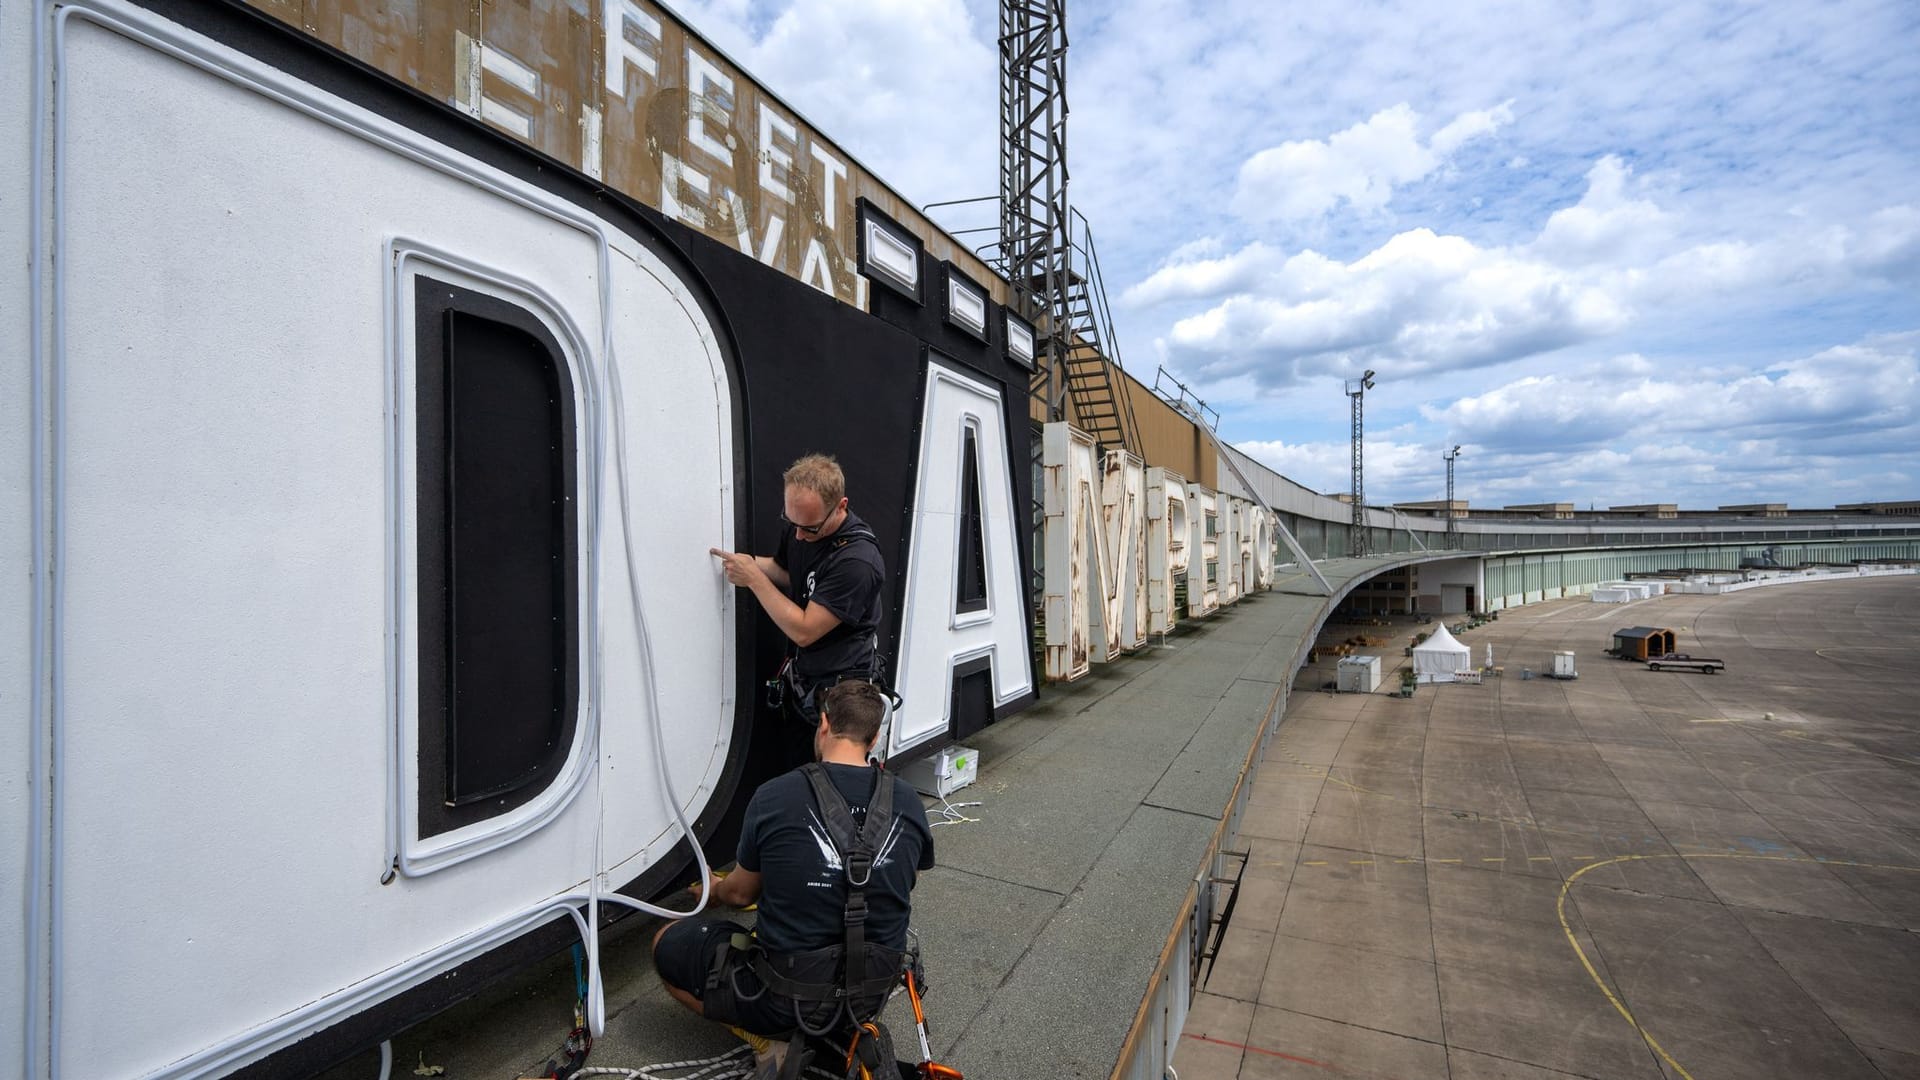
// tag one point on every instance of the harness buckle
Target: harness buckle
(859, 879)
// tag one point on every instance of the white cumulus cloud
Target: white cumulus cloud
(1306, 178)
(1424, 302)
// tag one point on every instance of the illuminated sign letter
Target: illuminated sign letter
(1229, 548)
(1203, 560)
(1166, 546)
(1265, 536)
(1073, 555)
(1123, 513)
(965, 605)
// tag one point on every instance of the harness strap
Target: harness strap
(870, 984)
(857, 848)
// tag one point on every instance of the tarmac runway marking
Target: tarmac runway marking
(1566, 887)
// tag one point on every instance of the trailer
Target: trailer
(1706, 665)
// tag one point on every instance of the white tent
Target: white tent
(1439, 657)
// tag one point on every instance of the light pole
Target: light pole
(1453, 535)
(1357, 541)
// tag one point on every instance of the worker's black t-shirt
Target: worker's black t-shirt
(803, 887)
(842, 573)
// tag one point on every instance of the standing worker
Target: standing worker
(821, 587)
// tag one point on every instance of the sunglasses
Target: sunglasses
(810, 530)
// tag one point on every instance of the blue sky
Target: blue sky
(1632, 252)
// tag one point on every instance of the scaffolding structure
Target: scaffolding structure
(1034, 252)
(1045, 246)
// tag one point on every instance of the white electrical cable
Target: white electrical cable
(38, 793)
(596, 992)
(949, 813)
(386, 1059)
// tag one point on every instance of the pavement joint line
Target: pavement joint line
(1327, 772)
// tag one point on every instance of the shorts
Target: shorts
(689, 956)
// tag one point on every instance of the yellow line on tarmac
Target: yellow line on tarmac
(1560, 908)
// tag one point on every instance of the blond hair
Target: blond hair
(820, 474)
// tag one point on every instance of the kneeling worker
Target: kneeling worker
(808, 834)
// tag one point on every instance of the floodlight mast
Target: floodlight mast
(1453, 534)
(1357, 541)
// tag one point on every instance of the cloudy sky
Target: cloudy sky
(1626, 252)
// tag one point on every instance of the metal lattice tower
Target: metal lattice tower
(1357, 543)
(1034, 245)
(1453, 533)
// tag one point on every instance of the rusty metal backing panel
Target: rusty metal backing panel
(629, 95)
(1169, 439)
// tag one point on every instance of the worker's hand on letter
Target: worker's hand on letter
(741, 569)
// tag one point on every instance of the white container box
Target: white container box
(1359, 674)
(1563, 666)
(942, 772)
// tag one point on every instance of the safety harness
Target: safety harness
(856, 975)
(843, 987)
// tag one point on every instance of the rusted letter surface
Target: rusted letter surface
(1166, 545)
(1071, 553)
(1203, 567)
(1232, 525)
(1123, 594)
(1265, 537)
